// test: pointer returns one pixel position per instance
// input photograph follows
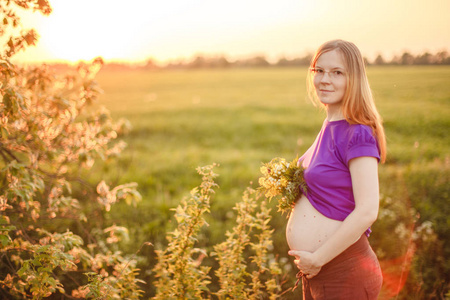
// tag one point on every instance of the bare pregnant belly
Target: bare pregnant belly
(307, 229)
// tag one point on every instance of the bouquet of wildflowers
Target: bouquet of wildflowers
(284, 181)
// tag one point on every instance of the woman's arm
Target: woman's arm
(364, 174)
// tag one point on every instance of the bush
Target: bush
(49, 134)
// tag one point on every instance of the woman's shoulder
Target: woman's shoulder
(359, 129)
(351, 130)
(350, 135)
(360, 141)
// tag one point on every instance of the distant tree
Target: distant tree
(424, 59)
(395, 60)
(180, 64)
(407, 59)
(255, 61)
(299, 61)
(304, 60)
(283, 62)
(201, 61)
(150, 64)
(221, 62)
(198, 62)
(379, 60)
(258, 61)
(442, 58)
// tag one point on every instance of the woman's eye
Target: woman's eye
(337, 73)
(319, 71)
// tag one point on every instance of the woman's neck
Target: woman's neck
(334, 113)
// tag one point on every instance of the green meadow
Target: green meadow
(240, 118)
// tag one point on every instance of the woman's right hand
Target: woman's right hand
(306, 262)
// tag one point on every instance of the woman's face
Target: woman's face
(330, 80)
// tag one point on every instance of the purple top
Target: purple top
(327, 172)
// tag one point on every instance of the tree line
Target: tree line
(260, 61)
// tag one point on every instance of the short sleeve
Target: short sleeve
(362, 143)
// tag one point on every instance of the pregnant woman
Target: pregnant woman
(328, 228)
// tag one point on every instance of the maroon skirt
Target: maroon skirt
(353, 274)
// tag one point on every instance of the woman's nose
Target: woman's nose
(325, 78)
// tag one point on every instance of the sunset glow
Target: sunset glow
(137, 30)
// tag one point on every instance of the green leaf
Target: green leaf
(4, 133)
(8, 228)
(5, 240)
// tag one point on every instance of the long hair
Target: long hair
(358, 105)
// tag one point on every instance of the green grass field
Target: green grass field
(240, 118)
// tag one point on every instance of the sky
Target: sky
(168, 30)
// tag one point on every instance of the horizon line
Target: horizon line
(229, 58)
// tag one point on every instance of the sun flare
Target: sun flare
(84, 32)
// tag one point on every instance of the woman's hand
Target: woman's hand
(306, 262)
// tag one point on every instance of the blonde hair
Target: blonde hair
(358, 105)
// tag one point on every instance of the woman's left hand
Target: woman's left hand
(306, 263)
